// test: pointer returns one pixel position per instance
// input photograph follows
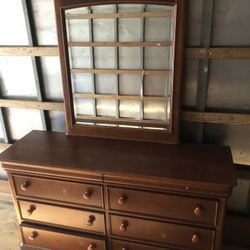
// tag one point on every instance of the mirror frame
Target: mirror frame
(159, 136)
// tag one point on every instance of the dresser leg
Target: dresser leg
(21, 245)
(27, 247)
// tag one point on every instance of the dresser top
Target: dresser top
(207, 165)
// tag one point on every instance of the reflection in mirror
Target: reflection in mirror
(121, 59)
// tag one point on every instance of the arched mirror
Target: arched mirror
(121, 66)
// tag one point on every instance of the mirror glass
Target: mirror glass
(121, 63)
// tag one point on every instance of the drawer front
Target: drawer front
(123, 245)
(73, 218)
(161, 232)
(59, 241)
(78, 193)
(163, 205)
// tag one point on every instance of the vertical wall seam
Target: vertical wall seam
(35, 63)
(203, 70)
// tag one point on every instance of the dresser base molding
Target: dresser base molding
(29, 247)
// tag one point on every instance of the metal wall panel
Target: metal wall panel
(12, 23)
(106, 107)
(130, 84)
(16, 73)
(84, 106)
(79, 79)
(45, 23)
(231, 23)
(104, 30)
(130, 30)
(133, 7)
(130, 109)
(240, 199)
(153, 34)
(129, 58)
(188, 131)
(17, 78)
(22, 121)
(1, 134)
(158, 58)
(236, 136)
(229, 85)
(58, 122)
(108, 8)
(105, 84)
(80, 57)
(78, 31)
(155, 110)
(51, 75)
(190, 82)
(157, 85)
(121, 30)
(194, 16)
(104, 58)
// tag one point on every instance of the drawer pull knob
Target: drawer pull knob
(125, 248)
(91, 246)
(25, 185)
(33, 235)
(31, 209)
(195, 239)
(90, 220)
(197, 211)
(124, 226)
(122, 200)
(87, 195)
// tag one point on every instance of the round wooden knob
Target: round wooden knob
(125, 248)
(90, 220)
(195, 238)
(198, 211)
(87, 195)
(31, 209)
(25, 185)
(91, 246)
(122, 200)
(124, 226)
(33, 235)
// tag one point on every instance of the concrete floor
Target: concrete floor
(9, 231)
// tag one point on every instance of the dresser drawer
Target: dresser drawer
(122, 245)
(167, 233)
(59, 241)
(67, 217)
(163, 205)
(78, 193)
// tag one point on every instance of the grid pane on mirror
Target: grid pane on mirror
(121, 62)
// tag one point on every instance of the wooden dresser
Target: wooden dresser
(77, 193)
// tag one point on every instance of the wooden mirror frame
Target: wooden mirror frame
(117, 132)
